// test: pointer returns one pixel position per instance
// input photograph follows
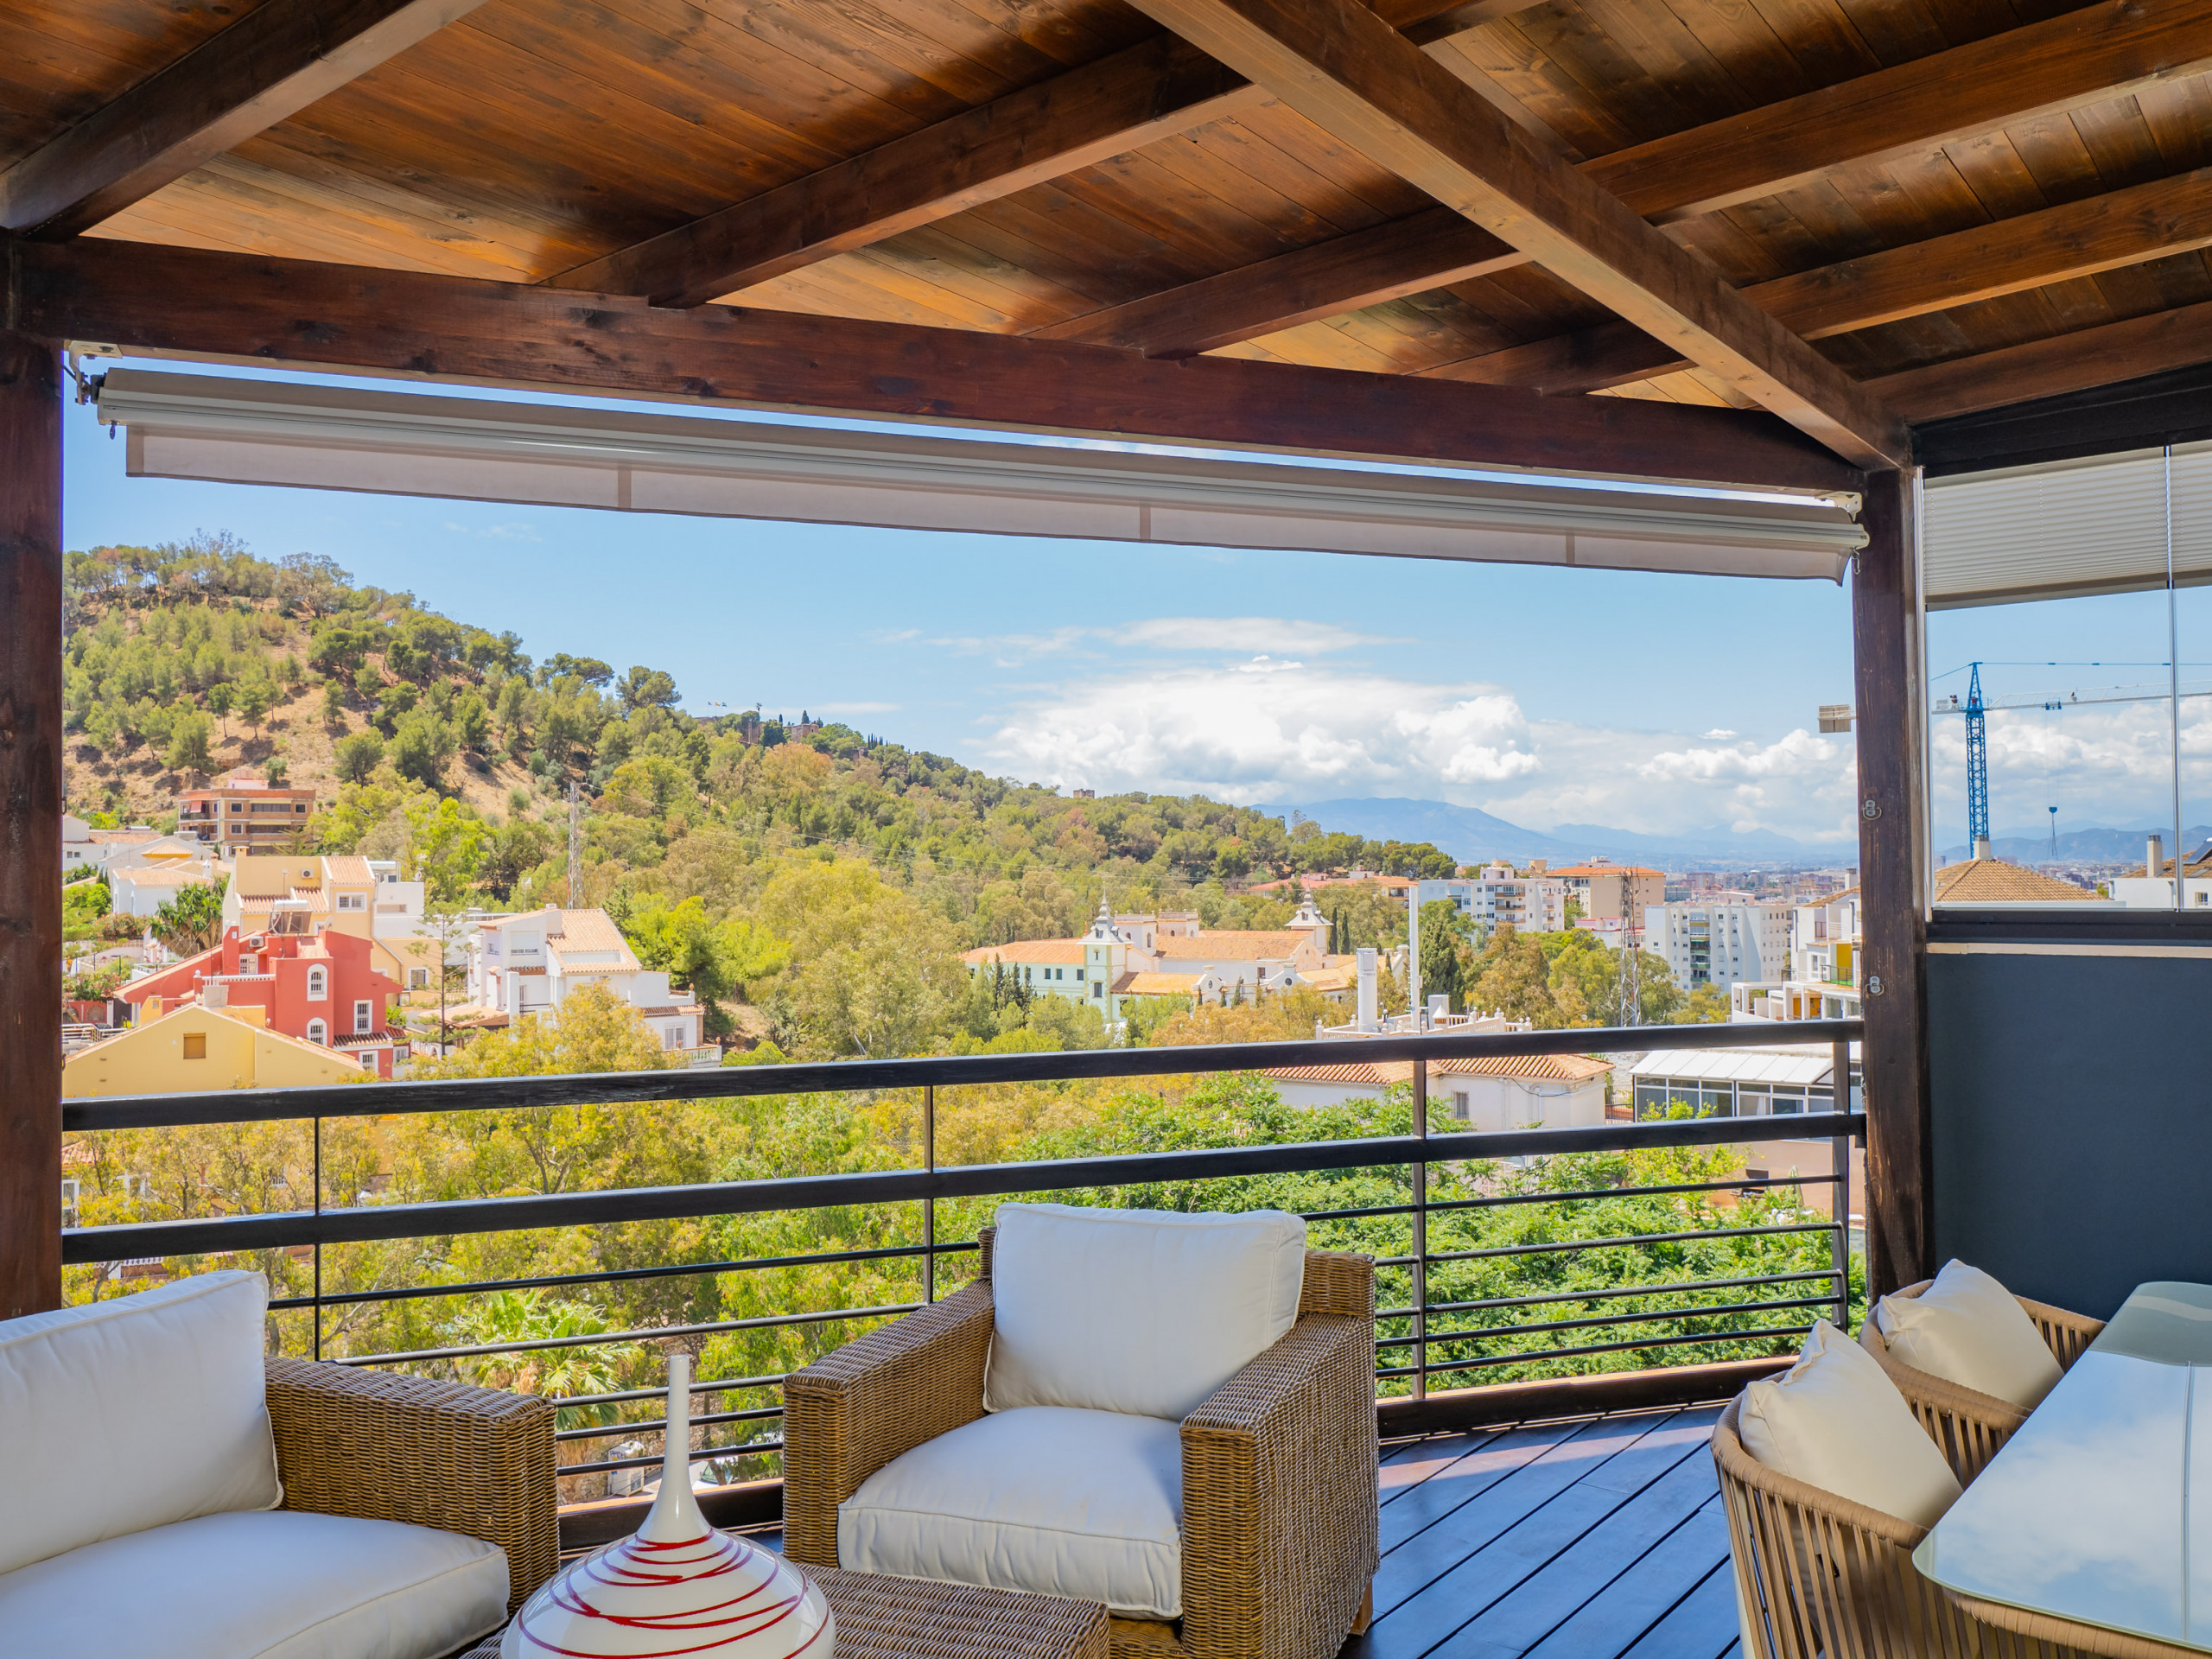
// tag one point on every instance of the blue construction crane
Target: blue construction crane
(1977, 767)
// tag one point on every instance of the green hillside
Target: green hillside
(823, 879)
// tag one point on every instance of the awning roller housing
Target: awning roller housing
(263, 432)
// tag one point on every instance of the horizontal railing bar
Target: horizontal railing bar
(1598, 1348)
(1494, 1202)
(650, 1333)
(614, 1275)
(1633, 1290)
(222, 1234)
(1632, 1238)
(718, 1082)
(1481, 1333)
(660, 1424)
(1436, 1204)
(750, 1448)
(726, 1385)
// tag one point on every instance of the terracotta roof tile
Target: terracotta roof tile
(1235, 945)
(1994, 882)
(1041, 952)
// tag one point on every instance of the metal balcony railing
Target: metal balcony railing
(1424, 1336)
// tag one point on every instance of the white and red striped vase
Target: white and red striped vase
(677, 1588)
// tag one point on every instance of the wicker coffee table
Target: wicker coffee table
(881, 1617)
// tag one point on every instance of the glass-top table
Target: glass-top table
(2098, 1510)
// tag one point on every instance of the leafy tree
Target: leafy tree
(711, 959)
(334, 703)
(357, 756)
(188, 745)
(516, 1316)
(255, 697)
(218, 699)
(646, 688)
(516, 849)
(1446, 951)
(191, 920)
(421, 747)
(1513, 977)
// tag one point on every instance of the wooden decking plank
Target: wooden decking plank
(1702, 1622)
(1618, 1616)
(1570, 1580)
(1505, 1458)
(1417, 1623)
(1406, 1467)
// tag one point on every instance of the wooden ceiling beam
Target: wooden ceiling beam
(2061, 63)
(272, 63)
(1150, 91)
(2053, 245)
(2088, 358)
(220, 306)
(1342, 67)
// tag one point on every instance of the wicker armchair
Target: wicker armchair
(1835, 1579)
(1280, 1516)
(2065, 1334)
(386, 1447)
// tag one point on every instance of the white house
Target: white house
(528, 963)
(1766, 1087)
(78, 847)
(1550, 1091)
(142, 876)
(1822, 979)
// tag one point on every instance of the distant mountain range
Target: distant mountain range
(1470, 835)
(2097, 845)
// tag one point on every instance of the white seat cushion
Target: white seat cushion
(1836, 1421)
(1141, 1312)
(1063, 1502)
(263, 1584)
(1969, 1329)
(133, 1413)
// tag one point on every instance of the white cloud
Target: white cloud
(1269, 729)
(507, 532)
(1719, 735)
(857, 707)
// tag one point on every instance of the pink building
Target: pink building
(320, 988)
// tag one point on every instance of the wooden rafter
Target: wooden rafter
(2079, 238)
(189, 302)
(1343, 68)
(2101, 356)
(272, 63)
(1154, 90)
(1968, 90)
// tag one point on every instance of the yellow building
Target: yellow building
(194, 1048)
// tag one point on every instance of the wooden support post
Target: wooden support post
(30, 825)
(1892, 877)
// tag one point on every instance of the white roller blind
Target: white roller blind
(2063, 528)
(257, 432)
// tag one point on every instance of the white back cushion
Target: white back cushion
(1836, 1421)
(1137, 1311)
(131, 1413)
(1060, 1503)
(1969, 1329)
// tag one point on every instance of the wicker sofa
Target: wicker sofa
(388, 1447)
(166, 1487)
(1280, 1514)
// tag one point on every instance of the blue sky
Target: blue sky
(1648, 702)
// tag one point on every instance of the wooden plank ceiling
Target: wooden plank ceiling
(1934, 192)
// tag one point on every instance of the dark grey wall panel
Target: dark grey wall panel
(2072, 1107)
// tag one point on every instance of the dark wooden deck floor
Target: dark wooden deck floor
(1600, 1538)
(1595, 1538)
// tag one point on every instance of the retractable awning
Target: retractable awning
(262, 432)
(2061, 529)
